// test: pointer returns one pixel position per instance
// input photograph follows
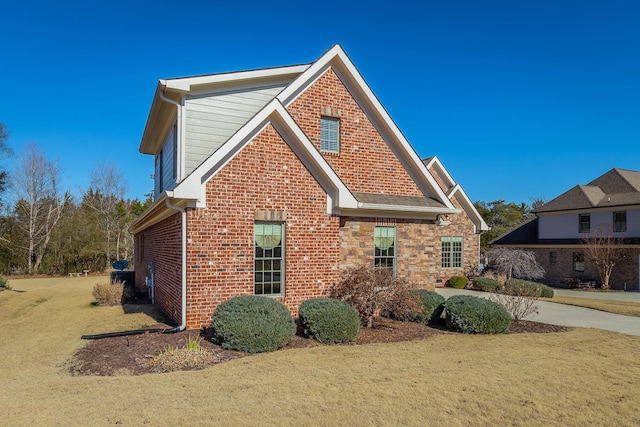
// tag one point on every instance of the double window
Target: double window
(384, 240)
(451, 252)
(584, 223)
(330, 134)
(620, 222)
(269, 258)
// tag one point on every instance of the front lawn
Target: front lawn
(579, 377)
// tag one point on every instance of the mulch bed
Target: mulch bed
(157, 352)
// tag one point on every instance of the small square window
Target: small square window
(330, 134)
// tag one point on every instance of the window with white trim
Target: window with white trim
(269, 258)
(384, 242)
(451, 252)
(330, 134)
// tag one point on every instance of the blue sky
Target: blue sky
(519, 99)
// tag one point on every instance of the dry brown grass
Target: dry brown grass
(582, 377)
(626, 308)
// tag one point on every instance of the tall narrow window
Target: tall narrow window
(620, 222)
(553, 257)
(452, 252)
(330, 134)
(578, 261)
(384, 240)
(269, 258)
(584, 223)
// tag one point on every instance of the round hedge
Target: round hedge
(329, 320)
(458, 282)
(485, 284)
(473, 315)
(431, 304)
(253, 324)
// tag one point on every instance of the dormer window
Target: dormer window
(330, 134)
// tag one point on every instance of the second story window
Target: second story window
(620, 222)
(330, 134)
(584, 223)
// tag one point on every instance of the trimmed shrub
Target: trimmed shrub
(4, 284)
(430, 307)
(485, 284)
(473, 315)
(513, 287)
(328, 320)
(252, 323)
(458, 282)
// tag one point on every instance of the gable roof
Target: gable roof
(192, 191)
(617, 187)
(455, 190)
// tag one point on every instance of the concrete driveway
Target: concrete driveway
(568, 315)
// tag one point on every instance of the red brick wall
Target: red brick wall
(266, 176)
(162, 247)
(365, 162)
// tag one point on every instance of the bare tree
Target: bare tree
(39, 201)
(516, 263)
(604, 251)
(108, 187)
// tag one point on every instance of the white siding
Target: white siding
(565, 225)
(211, 119)
(165, 164)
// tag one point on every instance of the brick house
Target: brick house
(273, 181)
(609, 204)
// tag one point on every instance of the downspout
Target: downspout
(183, 214)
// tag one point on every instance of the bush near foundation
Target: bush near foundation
(253, 324)
(112, 293)
(429, 308)
(514, 287)
(473, 315)
(485, 284)
(329, 321)
(458, 282)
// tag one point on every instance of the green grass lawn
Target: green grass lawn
(576, 378)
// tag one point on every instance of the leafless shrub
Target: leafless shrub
(516, 263)
(519, 301)
(111, 294)
(498, 277)
(371, 291)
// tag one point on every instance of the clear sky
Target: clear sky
(519, 99)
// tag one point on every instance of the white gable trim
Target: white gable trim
(436, 164)
(194, 186)
(479, 223)
(336, 59)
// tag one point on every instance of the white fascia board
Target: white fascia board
(337, 59)
(188, 84)
(441, 170)
(470, 209)
(194, 186)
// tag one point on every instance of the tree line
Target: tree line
(44, 229)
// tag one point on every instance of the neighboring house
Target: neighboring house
(273, 181)
(609, 204)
